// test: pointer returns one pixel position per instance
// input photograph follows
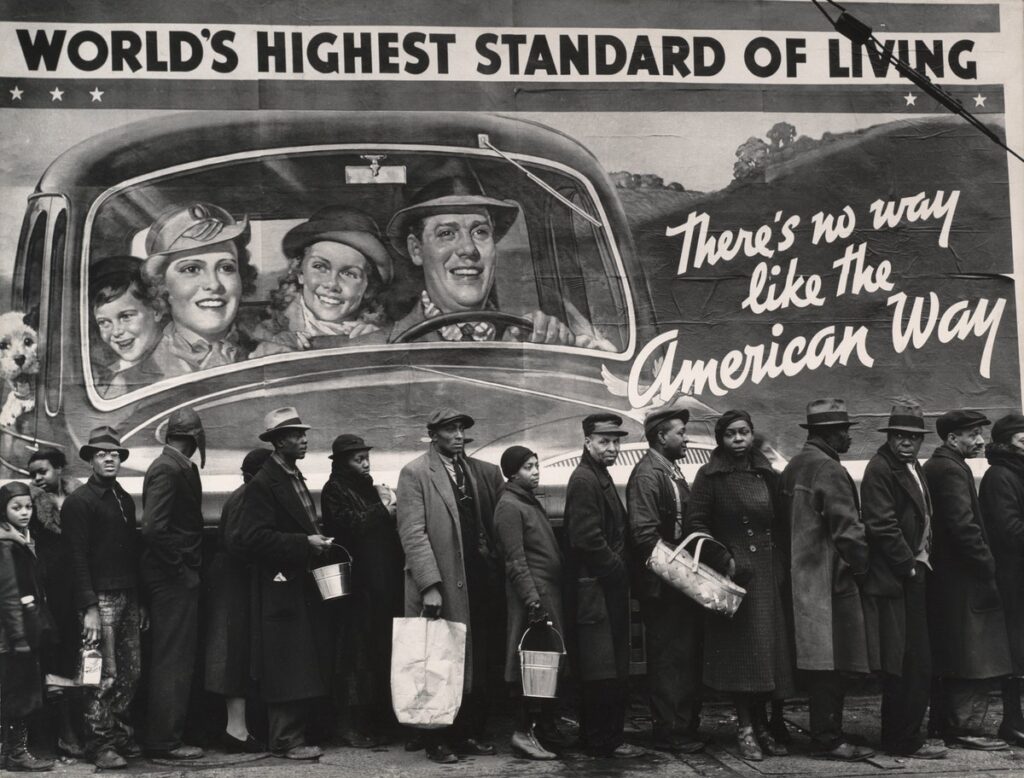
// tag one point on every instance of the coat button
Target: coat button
(753, 548)
(459, 584)
(750, 532)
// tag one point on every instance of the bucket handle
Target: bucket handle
(550, 626)
(334, 546)
(703, 536)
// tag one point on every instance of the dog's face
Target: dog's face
(18, 347)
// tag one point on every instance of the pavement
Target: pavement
(720, 760)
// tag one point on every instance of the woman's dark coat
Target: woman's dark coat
(23, 616)
(597, 580)
(533, 565)
(293, 656)
(735, 504)
(895, 510)
(1002, 509)
(965, 611)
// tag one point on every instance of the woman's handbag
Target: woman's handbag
(700, 583)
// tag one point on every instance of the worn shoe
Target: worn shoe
(25, 762)
(130, 750)
(109, 759)
(678, 744)
(525, 744)
(471, 747)
(70, 749)
(414, 743)
(780, 731)
(628, 751)
(847, 752)
(750, 751)
(441, 754)
(1011, 734)
(769, 745)
(233, 745)
(976, 743)
(181, 753)
(927, 751)
(551, 737)
(302, 752)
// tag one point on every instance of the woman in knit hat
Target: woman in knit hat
(533, 566)
(1002, 510)
(751, 655)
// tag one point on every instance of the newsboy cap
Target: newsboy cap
(603, 424)
(661, 415)
(953, 421)
(446, 415)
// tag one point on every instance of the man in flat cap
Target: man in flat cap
(965, 612)
(656, 497)
(451, 229)
(897, 512)
(446, 506)
(98, 521)
(172, 534)
(829, 556)
(282, 535)
(597, 589)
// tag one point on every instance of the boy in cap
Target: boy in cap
(965, 612)
(172, 533)
(98, 521)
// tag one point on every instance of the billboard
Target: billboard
(711, 204)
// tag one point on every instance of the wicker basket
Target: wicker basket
(700, 583)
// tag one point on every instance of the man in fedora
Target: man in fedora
(446, 522)
(282, 535)
(451, 229)
(98, 521)
(829, 557)
(172, 534)
(969, 643)
(897, 512)
(597, 589)
(656, 497)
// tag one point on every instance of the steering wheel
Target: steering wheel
(499, 319)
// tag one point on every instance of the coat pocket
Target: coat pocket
(984, 597)
(590, 605)
(279, 600)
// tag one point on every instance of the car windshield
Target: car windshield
(226, 263)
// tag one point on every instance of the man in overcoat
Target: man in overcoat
(656, 496)
(446, 506)
(172, 534)
(282, 535)
(965, 612)
(597, 584)
(897, 514)
(829, 553)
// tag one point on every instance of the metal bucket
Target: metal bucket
(539, 669)
(335, 579)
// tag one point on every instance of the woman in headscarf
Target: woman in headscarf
(751, 655)
(361, 517)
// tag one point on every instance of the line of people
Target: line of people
(916, 577)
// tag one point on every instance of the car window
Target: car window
(239, 300)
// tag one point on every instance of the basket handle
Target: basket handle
(679, 549)
(550, 626)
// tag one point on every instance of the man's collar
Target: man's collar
(175, 454)
(101, 487)
(292, 470)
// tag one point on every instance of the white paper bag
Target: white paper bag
(428, 661)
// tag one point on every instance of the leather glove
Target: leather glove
(743, 574)
(536, 614)
(716, 557)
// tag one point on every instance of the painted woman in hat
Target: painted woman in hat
(355, 514)
(751, 655)
(337, 268)
(198, 266)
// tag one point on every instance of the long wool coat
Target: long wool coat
(597, 580)
(753, 651)
(828, 547)
(965, 612)
(23, 616)
(533, 566)
(894, 509)
(293, 657)
(428, 524)
(1002, 509)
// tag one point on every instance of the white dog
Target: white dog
(19, 364)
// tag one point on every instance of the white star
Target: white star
(16, 93)
(56, 95)
(910, 98)
(979, 100)
(97, 95)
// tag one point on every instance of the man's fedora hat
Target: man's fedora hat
(952, 421)
(905, 418)
(656, 417)
(450, 195)
(347, 444)
(185, 423)
(103, 438)
(603, 424)
(341, 224)
(828, 412)
(446, 415)
(188, 228)
(281, 420)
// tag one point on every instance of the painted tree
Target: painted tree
(781, 135)
(751, 158)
